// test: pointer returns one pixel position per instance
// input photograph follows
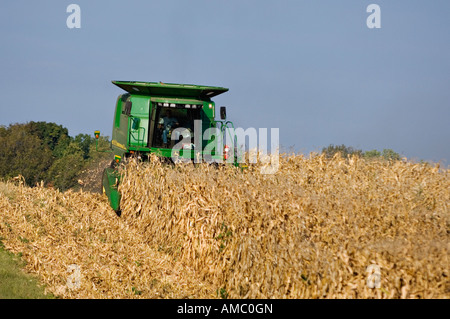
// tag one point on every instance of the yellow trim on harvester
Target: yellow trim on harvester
(117, 144)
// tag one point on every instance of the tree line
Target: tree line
(42, 151)
(345, 151)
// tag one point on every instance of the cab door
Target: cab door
(138, 121)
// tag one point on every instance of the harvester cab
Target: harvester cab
(166, 119)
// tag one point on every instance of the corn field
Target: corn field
(317, 228)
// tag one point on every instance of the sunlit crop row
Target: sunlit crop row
(317, 228)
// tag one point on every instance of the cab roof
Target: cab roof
(170, 89)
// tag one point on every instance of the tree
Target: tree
(372, 154)
(23, 153)
(345, 151)
(64, 171)
(85, 143)
(42, 151)
(389, 154)
(49, 133)
(386, 154)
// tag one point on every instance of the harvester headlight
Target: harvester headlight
(97, 134)
(117, 158)
(188, 146)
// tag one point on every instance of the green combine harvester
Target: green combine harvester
(170, 121)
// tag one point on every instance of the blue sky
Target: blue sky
(311, 68)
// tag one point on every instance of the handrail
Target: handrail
(224, 125)
(138, 139)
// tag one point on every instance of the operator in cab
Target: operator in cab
(169, 122)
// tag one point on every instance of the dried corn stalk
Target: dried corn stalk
(314, 229)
